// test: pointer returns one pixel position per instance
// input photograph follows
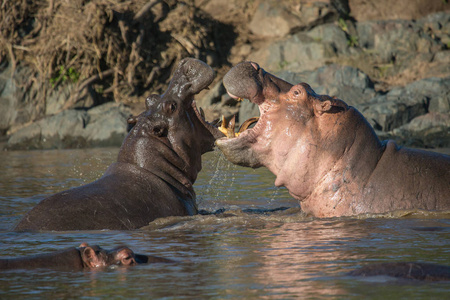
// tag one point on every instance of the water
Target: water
(233, 255)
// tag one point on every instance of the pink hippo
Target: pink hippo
(326, 153)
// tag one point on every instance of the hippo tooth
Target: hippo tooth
(230, 127)
(247, 124)
(240, 99)
(223, 126)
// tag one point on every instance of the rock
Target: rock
(386, 112)
(334, 36)
(272, 20)
(363, 10)
(104, 125)
(437, 90)
(16, 94)
(54, 132)
(213, 96)
(107, 125)
(296, 53)
(56, 98)
(392, 40)
(402, 104)
(429, 130)
(278, 19)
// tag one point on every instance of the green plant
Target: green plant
(282, 64)
(384, 69)
(352, 41)
(65, 75)
(343, 25)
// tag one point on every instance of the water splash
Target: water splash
(221, 184)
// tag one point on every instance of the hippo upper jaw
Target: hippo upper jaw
(248, 81)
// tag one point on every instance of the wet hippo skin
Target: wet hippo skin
(327, 154)
(405, 270)
(83, 257)
(156, 167)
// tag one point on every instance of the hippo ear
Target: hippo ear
(329, 105)
(126, 257)
(90, 258)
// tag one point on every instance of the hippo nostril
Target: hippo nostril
(169, 107)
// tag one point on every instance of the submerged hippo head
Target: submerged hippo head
(83, 257)
(96, 257)
(173, 126)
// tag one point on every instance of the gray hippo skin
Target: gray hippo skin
(326, 153)
(83, 257)
(405, 270)
(156, 167)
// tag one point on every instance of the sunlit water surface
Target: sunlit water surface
(241, 253)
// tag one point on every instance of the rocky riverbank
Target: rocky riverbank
(391, 63)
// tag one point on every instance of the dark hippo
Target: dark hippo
(83, 257)
(156, 167)
(405, 270)
(327, 154)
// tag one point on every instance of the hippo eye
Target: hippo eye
(296, 93)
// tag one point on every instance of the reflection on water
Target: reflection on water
(231, 254)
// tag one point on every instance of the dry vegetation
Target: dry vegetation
(116, 49)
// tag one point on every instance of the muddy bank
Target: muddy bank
(64, 64)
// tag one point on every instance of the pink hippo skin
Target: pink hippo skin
(327, 155)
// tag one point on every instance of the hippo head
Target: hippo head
(171, 134)
(294, 122)
(94, 257)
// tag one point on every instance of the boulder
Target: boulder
(402, 104)
(278, 19)
(296, 53)
(386, 112)
(16, 98)
(429, 130)
(393, 40)
(104, 125)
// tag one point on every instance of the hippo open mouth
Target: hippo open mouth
(212, 126)
(248, 81)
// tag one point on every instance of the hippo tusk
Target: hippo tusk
(223, 125)
(230, 127)
(247, 124)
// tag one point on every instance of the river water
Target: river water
(247, 252)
